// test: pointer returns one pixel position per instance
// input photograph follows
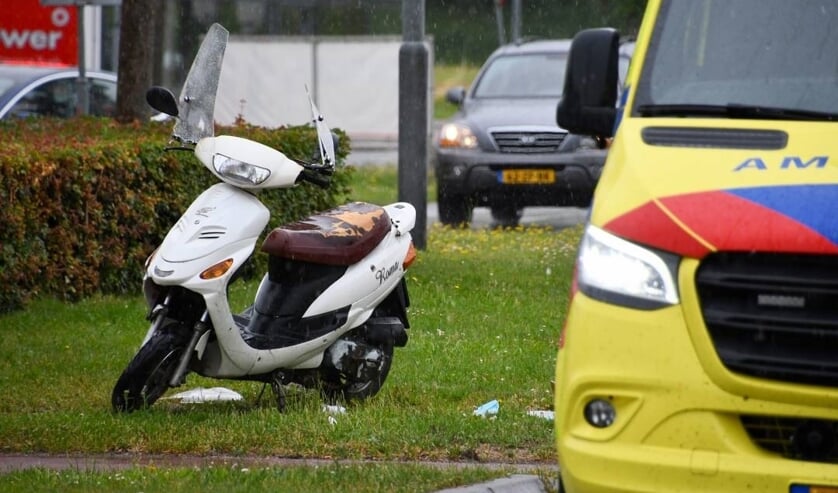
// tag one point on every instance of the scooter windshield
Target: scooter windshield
(196, 104)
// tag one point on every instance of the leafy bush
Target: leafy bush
(84, 201)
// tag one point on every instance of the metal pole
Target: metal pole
(413, 116)
(82, 103)
(315, 65)
(516, 21)
(499, 20)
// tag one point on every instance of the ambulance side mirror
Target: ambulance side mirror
(588, 104)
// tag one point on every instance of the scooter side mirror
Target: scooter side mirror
(326, 139)
(162, 100)
(317, 149)
(325, 136)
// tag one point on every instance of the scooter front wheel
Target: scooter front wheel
(147, 376)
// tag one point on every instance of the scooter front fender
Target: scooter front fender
(220, 216)
(222, 223)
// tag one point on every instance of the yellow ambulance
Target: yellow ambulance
(700, 348)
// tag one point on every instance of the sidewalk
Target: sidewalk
(517, 483)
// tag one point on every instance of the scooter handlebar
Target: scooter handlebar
(321, 177)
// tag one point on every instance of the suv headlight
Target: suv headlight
(239, 172)
(616, 271)
(454, 135)
(587, 143)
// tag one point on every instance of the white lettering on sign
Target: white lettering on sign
(60, 17)
(38, 40)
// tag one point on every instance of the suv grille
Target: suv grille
(773, 316)
(528, 142)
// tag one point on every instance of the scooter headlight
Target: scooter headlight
(616, 271)
(239, 172)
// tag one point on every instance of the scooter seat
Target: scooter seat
(340, 236)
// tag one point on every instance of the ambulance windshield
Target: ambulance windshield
(742, 58)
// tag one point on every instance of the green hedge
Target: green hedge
(83, 202)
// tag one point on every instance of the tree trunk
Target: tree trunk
(138, 30)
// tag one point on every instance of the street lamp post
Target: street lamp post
(516, 21)
(413, 116)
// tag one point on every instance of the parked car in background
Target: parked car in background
(503, 148)
(53, 91)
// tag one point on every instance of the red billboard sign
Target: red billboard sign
(32, 33)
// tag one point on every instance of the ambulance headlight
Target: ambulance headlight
(619, 272)
(239, 172)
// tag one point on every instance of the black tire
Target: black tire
(339, 386)
(507, 216)
(147, 376)
(454, 209)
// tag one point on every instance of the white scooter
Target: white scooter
(333, 304)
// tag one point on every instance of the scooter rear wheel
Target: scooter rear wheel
(147, 376)
(361, 385)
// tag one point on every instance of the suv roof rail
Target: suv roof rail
(529, 39)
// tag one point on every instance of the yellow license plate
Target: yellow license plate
(528, 176)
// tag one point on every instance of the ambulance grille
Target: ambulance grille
(788, 437)
(718, 138)
(773, 316)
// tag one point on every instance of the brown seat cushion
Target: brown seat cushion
(339, 236)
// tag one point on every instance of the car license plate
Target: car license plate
(527, 176)
(801, 488)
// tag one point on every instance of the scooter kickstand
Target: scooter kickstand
(279, 391)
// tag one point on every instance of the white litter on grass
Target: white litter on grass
(542, 414)
(328, 409)
(491, 408)
(332, 411)
(199, 395)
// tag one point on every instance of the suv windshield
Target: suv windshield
(742, 58)
(523, 76)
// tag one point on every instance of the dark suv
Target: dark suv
(503, 149)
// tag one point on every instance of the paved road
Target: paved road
(373, 153)
(555, 217)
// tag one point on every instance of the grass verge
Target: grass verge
(446, 77)
(380, 184)
(487, 307)
(233, 479)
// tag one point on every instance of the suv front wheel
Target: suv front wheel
(454, 209)
(507, 216)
